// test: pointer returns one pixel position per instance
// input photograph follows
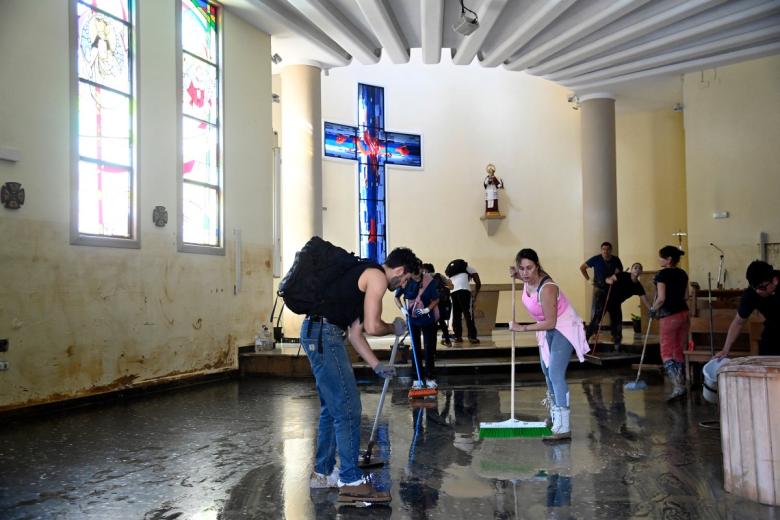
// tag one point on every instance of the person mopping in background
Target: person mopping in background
(624, 286)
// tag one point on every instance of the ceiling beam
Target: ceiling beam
(677, 38)
(386, 29)
(327, 17)
(711, 48)
(470, 45)
(431, 22)
(547, 13)
(615, 10)
(719, 60)
(301, 27)
(611, 41)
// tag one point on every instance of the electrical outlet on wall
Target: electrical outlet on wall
(3, 365)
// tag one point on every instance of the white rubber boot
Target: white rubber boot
(560, 429)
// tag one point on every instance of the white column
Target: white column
(301, 182)
(599, 187)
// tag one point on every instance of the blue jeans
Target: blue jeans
(340, 407)
(555, 374)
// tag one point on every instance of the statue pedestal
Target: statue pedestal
(491, 221)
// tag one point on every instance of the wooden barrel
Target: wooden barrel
(749, 390)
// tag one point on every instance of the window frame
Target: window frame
(76, 236)
(188, 247)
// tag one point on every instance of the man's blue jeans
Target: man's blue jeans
(340, 407)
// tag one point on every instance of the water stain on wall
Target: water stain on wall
(102, 319)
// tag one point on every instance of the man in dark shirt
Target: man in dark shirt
(624, 286)
(352, 308)
(761, 295)
(604, 265)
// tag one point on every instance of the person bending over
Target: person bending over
(351, 308)
(761, 295)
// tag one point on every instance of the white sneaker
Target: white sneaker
(362, 480)
(320, 481)
(418, 385)
(431, 383)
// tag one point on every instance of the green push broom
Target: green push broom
(513, 428)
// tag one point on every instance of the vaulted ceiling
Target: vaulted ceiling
(586, 45)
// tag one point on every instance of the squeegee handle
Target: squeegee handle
(384, 390)
(512, 379)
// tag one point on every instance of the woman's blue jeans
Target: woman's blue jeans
(555, 374)
(340, 407)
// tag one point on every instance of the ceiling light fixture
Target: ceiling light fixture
(276, 59)
(468, 21)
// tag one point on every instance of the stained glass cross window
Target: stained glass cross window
(373, 148)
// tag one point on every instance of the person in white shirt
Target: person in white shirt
(463, 300)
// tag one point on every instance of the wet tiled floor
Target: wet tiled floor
(244, 448)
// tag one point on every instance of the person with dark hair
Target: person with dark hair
(604, 265)
(444, 286)
(357, 294)
(671, 309)
(559, 332)
(421, 307)
(761, 295)
(624, 286)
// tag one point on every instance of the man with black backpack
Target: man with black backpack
(460, 274)
(341, 296)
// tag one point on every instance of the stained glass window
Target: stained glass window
(105, 199)
(201, 227)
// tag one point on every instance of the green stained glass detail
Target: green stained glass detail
(199, 29)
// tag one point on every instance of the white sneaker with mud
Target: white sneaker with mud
(431, 383)
(361, 491)
(320, 481)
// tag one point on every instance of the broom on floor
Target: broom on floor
(513, 428)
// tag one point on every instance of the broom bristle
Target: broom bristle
(512, 433)
(513, 428)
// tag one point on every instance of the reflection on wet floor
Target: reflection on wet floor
(244, 449)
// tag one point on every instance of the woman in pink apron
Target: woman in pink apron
(559, 332)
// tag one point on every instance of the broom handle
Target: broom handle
(512, 399)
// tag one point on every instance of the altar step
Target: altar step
(492, 355)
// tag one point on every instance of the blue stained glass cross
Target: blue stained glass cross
(373, 148)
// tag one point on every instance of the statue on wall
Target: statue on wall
(492, 184)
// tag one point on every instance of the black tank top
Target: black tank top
(343, 302)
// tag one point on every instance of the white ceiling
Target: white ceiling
(633, 49)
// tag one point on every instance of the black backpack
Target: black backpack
(317, 265)
(456, 267)
(444, 291)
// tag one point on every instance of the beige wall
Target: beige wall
(651, 187)
(82, 320)
(468, 117)
(732, 124)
